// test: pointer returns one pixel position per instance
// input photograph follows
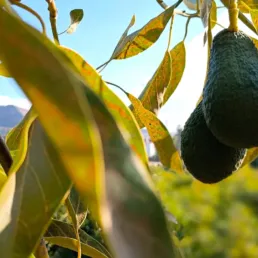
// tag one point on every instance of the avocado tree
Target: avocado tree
(80, 148)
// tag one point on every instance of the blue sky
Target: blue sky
(97, 35)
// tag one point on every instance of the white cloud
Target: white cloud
(19, 102)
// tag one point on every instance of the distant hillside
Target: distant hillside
(10, 116)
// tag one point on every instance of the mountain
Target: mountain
(10, 116)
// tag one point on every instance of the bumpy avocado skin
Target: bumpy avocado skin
(230, 96)
(208, 160)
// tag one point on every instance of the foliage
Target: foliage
(79, 151)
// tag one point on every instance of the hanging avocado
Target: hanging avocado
(204, 156)
(230, 96)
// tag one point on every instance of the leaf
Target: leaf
(142, 39)
(246, 21)
(3, 178)
(17, 139)
(178, 65)
(62, 234)
(255, 41)
(250, 156)
(205, 10)
(76, 16)
(254, 16)
(3, 71)
(79, 209)
(73, 217)
(153, 94)
(114, 104)
(159, 135)
(71, 126)
(29, 197)
(129, 196)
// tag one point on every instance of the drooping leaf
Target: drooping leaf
(79, 209)
(159, 135)
(129, 196)
(153, 94)
(114, 104)
(3, 178)
(17, 139)
(62, 234)
(247, 22)
(74, 220)
(178, 66)
(142, 39)
(250, 156)
(3, 71)
(76, 16)
(53, 88)
(213, 14)
(254, 16)
(30, 196)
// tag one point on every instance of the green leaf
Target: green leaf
(62, 234)
(131, 212)
(142, 39)
(78, 207)
(159, 135)
(3, 71)
(114, 104)
(30, 196)
(17, 139)
(178, 66)
(50, 83)
(153, 94)
(76, 16)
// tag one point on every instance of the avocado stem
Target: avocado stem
(233, 15)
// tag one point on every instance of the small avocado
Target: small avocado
(204, 156)
(230, 95)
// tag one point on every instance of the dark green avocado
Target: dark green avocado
(204, 156)
(230, 95)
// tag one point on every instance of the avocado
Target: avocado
(204, 156)
(230, 94)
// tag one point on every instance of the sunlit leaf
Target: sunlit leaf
(251, 155)
(57, 96)
(178, 66)
(115, 105)
(247, 22)
(213, 14)
(255, 42)
(3, 71)
(254, 16)
(159, 135)
(3, 177)
(142, 39)
(31, 195)
(153, 94)
(17, 139)
(244, 5)
(76, 16)
(131, 212)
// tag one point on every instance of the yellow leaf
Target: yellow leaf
(255, 42)
(3, 71)
(178, 65)
(213, 14)
(254, 16)
(251, 155)
(140, 40)
(114, 104)
(159, 135)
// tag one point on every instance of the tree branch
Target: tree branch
(162, 4)
(53, 16)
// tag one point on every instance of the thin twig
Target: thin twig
(186, 27)
(105, 64)
(27, 8)
(5, 156)
(170, 31)
(53, 16)
(182, 13)
(119, 87)
(162, 4)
